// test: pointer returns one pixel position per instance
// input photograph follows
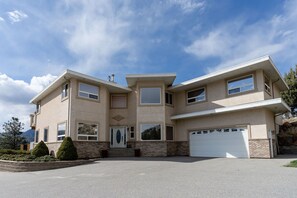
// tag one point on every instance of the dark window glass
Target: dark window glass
(169, 133)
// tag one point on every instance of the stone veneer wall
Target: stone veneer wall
(259, 148)
(183, 148)
(85, 149)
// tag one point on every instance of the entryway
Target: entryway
(118, 137)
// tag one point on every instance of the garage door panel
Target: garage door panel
(219, 144)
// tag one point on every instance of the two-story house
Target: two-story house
(227, 113)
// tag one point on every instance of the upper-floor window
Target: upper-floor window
(65, 90)
(87, 131)
(118, 101)
(61, 131)
(241, 85)
(150, 95)
(169, 98)
(45, 134)
(88, 91)
(267, 84)
(38, 106)
(197, 95)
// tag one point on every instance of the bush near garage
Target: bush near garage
(67, 150)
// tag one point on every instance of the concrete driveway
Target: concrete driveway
(158, 177)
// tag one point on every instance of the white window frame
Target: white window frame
(88, 93)
(150, 124)
(169, 94)
(65, 91)
(196, 101)
(267, 86)
(61, 136)
(141, 103)
(238, 79)
(83, 135)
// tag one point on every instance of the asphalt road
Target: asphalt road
(158, 177)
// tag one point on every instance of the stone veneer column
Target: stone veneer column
(259, 148)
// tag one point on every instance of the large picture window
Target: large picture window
(150, 131)
(241, 85)
(197, 95)
(88, 91)
(61, 131)
(150, 96)
(87, 131)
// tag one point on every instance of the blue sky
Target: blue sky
(40, 39)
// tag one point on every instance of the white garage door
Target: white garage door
(222, 142)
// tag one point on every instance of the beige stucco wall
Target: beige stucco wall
(254, 119)
(216, 96)
(53, 111)
(89, 111)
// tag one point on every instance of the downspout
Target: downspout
(69, 104)
(270, 142)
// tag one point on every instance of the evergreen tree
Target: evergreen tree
(11, 137)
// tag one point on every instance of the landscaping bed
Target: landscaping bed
(292, 164)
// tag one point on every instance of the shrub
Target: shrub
(67, 150)
(11, 151)
(40, 150)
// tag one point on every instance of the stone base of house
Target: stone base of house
(260, 148)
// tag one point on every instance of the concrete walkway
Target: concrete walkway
(158, 177)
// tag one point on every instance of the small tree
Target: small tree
(11, 137)
(40, 150)
(67, 150)
(290, 96)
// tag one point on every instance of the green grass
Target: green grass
(292, 164)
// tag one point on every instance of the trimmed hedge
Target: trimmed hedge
(40, 150)
(67, 150)
(11, 151)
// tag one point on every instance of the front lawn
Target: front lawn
(292, 164)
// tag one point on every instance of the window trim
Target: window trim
(58, 131)
(89, 123)
(187, 99)
(88, 98)
(62, 92)
(240, 78)
(112, 95)
(268, 85)
(169, 93)
(46, 128)
(155, 123)
(153, 104)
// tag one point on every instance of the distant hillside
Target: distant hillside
(29, 135)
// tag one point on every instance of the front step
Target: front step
(121, 152)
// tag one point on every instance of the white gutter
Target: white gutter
(264, 103)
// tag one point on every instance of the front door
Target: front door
(118, 137)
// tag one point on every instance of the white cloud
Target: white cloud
(1, 19)
(188, 6)
(16, 16)
(237, 41)
(15, 96)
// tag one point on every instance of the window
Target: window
(88, 91)
(65, 90)
(241, 85)
(197, 95)
(267, 84)
(45, 133)
(61, 131)
(36, 136)
(132, 134)
(38, 106)
(150, 95)
(150, 131)
(87, 131)
(168, 98)
(118, 101)
(169, 133)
